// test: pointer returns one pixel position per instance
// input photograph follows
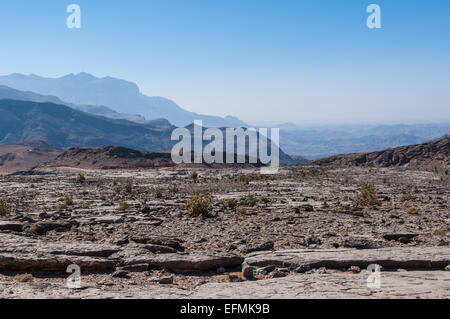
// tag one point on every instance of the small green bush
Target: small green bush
(199, 204)
(194, 177)
(4, 208)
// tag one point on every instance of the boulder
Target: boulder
(12, 226)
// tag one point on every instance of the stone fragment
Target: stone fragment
(259, 247)
(397, 236)
(120, 274)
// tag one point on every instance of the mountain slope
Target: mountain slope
(25, 156)
(111, 157)
(122, 96)
(7, 93)
(431, 154)
(62, 126)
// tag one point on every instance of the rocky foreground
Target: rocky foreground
(306, 232)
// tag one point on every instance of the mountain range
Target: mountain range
(114, 94)
(64, 127)
(119, 99)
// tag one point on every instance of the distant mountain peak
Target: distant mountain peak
(80, 76)
(120, 95)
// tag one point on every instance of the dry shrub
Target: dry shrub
(157, 192)
(230, 203)
(81, 178)
(407, 197)
(4, 208)
(199, 204)
(367, 196)
(123, 206)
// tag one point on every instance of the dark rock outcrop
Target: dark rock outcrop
(432, 154)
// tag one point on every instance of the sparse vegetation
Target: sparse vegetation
(407, 197)
(264, 199)
(81, 178)
(194, 177)
(230, 203)
(367, 196)
(157, 192)
(123, 206)
(129, 186)
(68, 200)
(250, 200)
(411, 209)
(5, 209)
(199, 204)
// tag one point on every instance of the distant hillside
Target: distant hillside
(328, 140)
(111, 157)
(115, 157)
(431, 154)
(25, 156)
(62, 126)
(119, 95)
(7, 93)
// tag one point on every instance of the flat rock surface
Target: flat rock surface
(416, 284)
(434, 284)
(21, 253)
(389, 258)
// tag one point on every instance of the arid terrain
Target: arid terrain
(305, 232)
(25, 156)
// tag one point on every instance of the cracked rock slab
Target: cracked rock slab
(411, 258)
(411, 285)
(20, 253)
(185, 263)
(404, 285)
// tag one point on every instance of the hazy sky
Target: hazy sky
(260, 60)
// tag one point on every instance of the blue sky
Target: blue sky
(311, 61)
